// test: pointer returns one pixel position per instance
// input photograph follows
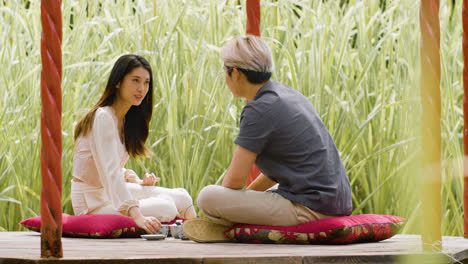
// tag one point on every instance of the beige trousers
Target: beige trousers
(227, 206)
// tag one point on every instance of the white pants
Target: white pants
(162, 203)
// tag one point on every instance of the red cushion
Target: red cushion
(337, 230)
(93, 226)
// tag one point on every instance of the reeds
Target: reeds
(358, 64)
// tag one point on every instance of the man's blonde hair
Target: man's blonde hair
(249, 53)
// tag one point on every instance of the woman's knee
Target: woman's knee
(163, 210)
(182, 198)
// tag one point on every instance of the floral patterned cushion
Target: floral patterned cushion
(93, 226)
(337, 230)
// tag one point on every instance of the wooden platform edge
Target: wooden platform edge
(435, 258)
(23, 247)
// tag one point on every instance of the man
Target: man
(281, 133)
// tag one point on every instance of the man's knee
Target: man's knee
(209, 197)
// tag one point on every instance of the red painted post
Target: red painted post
(253, 28)
(431, 132)
(253, 17)
(51, 132)
(465, 112)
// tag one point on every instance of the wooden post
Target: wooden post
(253, 28)
(431, 133)
(465, 113)
(253, 17)
(51, 132)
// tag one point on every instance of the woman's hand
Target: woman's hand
(149, 179)
(131, 176)
(150, 224)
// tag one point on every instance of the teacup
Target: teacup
(164, 229)
(176, 232)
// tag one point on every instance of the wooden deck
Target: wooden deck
(24, 247)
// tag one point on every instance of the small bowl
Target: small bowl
(176, 232)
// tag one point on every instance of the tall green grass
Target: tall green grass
(358, 63)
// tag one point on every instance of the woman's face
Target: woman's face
(134, 87)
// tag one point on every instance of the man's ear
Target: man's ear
(117, 85)
(236, 74)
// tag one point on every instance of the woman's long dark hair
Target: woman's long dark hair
(136, 125)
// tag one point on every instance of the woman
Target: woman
(114, 129)
(281, 133)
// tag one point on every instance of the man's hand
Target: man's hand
(261, 183)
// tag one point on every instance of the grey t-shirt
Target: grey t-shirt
(295, 149)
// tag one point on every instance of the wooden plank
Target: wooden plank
(24, 247)
(255, 260)
(382, 259)
(101, 261)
